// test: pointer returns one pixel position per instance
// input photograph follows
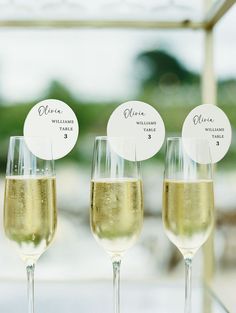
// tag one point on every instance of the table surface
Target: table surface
(96, 296)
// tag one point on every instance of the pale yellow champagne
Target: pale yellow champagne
(30, 215)
(188, 213)
(116, 212)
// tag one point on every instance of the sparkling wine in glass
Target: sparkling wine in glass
(188, 200)
(116, 214)
(30, 215)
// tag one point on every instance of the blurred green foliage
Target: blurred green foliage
(163, 82)
(159, 67)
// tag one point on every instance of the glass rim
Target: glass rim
(173, 138)
(101, 137)
(176, 138)
(16, 137)
(114, 137)
(31, 137)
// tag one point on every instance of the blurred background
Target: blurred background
(93, 71)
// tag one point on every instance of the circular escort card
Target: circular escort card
(54, 120)
(136, 122)
(209, 122)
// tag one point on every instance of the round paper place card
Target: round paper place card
(140, 122)
(207, 121)
(53, 120)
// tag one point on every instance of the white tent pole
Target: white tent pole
(208, 96)
(212, 14)
(101, 23)
(216, 11)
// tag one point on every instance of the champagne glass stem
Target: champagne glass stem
(188, 284)
(116, 284)
(30, 286)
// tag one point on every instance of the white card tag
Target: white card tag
(56, 121)
(207, 121)
(140, 121)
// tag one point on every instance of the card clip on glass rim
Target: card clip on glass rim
(197, 148)
(124, 146)
(114, 146)
(19, 143)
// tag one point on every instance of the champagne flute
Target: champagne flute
(30, 215)
(188, 200)
(116, 215)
